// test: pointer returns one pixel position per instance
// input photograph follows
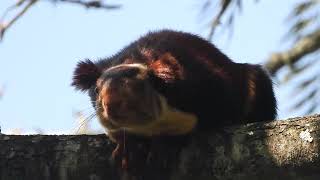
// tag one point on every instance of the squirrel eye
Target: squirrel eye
(96, 90)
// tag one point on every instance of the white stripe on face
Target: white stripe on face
(137, 65)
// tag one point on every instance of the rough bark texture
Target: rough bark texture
(277, 150)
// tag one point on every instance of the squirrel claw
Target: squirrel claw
(116, 152)
(117, 155)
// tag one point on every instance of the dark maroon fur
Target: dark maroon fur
(213, 87)
(85, 75)
(194, 76)
(264, 96)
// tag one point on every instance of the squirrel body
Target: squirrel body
(173, 83)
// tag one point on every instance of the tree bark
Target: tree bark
(284, 149)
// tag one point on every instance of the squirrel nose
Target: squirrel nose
(115, 109)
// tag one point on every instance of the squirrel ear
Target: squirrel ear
(85, 75)
(167, 68)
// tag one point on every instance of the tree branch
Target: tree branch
(304, 46)
(276, 150)
(29, 3)
(5, 26)
(90, 4)
(216, 20)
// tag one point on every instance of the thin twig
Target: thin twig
(92, 4)
(17, 4)
(88, 4)
(216, 20)
(5, 26)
